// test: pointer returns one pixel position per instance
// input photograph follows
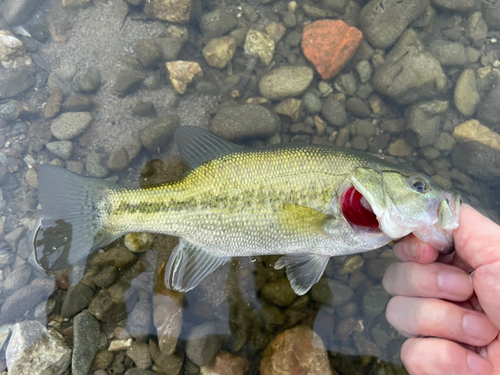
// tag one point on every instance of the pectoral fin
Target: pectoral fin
(303, 270)
(303, 220)
(188, 265)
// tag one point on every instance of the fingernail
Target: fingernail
(455, 282)
(478, 327)
(477, 365)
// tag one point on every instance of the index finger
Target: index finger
(411, 249)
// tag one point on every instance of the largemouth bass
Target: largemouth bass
(306, 202)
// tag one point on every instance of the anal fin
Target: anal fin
(188, 265)
(303, 270)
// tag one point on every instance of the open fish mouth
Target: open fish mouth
(390, 224)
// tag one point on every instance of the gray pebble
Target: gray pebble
(286, 81)
(16, 279)
(86, 338)
(70, 125)
(374, 300)
(357, 107)
(62, 149)
(158, 134)
(94, 165)
(204, 342)
(148, 53)
(18, 11)
(217, 23)
(139, 352)
(448, 53)
(127, 81)
(334, 111)
(244, 121)
(139, 320)
(88, 80)
(118, 160)
(15, 81)
(359, 143)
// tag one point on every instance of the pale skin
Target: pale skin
(449, 306)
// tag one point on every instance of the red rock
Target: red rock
(329, 45)
(297, 351)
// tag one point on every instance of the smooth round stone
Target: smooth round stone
(374, 300)
(70, 125)
(286, 81)
(62, 149)
(466, 96)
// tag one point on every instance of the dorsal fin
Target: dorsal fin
(197, 145)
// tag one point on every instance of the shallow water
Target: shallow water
(129, 318)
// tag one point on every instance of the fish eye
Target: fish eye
(419, 186)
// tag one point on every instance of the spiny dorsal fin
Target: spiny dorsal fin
(197, 145)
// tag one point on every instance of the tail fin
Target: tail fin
(71, 221)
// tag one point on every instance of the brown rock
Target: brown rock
(296, 351)
(226, 364)
(53, 103)
(473, 130)
(182, 73)
(329, 44)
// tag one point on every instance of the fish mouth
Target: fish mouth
(389, 224)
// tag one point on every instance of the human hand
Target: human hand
(451, 317)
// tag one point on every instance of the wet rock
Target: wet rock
(102, 360)
(219, 52)
(16, 279)
(291, 107)
(18, 11)
(77, 103)
(444, 142)
(74, 3)
(117, 345)
(225, 363)
(138, 242)
(334, 111)
(94, 164)
(423, 127)
(472, 130)
(118, 257)
(296, 351)
(53, 104)
(276, 31)
(118, 160)
(34, 350)
(478, 160)
(127, 81)
(15, 109)
(13, 237)
(399, 148)
(76, 299)
(15, 81)
(105, 277)
(217, 23)
(86, 337)
(169, 47)
(279, 292)
(488, 110)
(75, 166)
(170, 364)
(167, 320)
(312, 103)
(331, 292)
(12, 52)
(357, 107)
(139, 321)
(286, 81)
(376, 267)
(260, 44)
(148, 53)
(139, 352)
(374, 300)
(462, 5)
(143, 109)
(70, 125)
(329, 45)
(448, 53)
(182, 73)
(109, 304)
(491, 14)
(244, 121)
(352, 264)
(62, 149)
(476, 29)
(88, 80)
(466, 96)
(409, 73)
(204, 342)
(177, 11)
(346, 327)
(359, 143)
(364, 71)
(157, 135)
(383, 23)
(365, 346)
(25, 299)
